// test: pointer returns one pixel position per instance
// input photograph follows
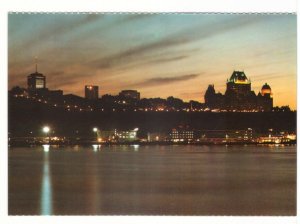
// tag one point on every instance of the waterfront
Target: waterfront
(152, 180)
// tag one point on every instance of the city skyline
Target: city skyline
(179, 55)
(245, 100)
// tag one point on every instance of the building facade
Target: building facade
(181, 135)
(118, 135)
(130, 94)
(265, 98)
(36, 81)
(239, 96)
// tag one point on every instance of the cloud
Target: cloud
(65, 83)
(131, 54)
(154, 59)
(182, 37)
(269, 77)
(137, 17)
(71, 23)
(56, 74)
(62, 28)
(164, 81)
(136, 53)
(166, 59)
(70, 75)
(148, 61)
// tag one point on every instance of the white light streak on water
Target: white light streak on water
(136, 147)
(46, 148)
(46, 191)
(96, 147)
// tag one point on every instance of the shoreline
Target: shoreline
(149, 144)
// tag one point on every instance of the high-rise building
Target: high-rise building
(91, 92)
(131, 94)
(239, 83)
(36, 86)
(239, 96)
(36, 81)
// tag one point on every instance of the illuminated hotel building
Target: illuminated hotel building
(91, 92)
(239, 83)
(239, 96)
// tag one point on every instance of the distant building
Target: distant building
(157, 137)
(107, 136)
(181, 135)
(48, 95)
(212, 99)
(265, 98)
(229, 135)
(126, 136)
(91, 92)
(36, 87)
(130, 94)
(117, 135)
(239, 84)
(239, 96)
(36, 81)
(71, 99)
(18, 91)
(55, 94)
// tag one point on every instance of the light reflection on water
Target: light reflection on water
(136, 147)
(46, 148)
(46, 191)
(95, 148)
(154, 180)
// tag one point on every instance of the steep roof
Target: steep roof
(239, 76)
(266, 86)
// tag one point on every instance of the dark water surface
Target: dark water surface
(152, 180)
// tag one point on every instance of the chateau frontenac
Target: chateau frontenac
(239, 96)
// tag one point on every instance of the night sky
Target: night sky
(158, 55)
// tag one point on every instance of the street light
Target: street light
(95, 129)
(46, 130)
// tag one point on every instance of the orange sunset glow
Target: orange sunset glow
(159, 55)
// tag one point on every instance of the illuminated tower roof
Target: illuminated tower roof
(239, 77)
(36, 80)
(266, 89)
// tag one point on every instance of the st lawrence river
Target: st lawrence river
(152, 180)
